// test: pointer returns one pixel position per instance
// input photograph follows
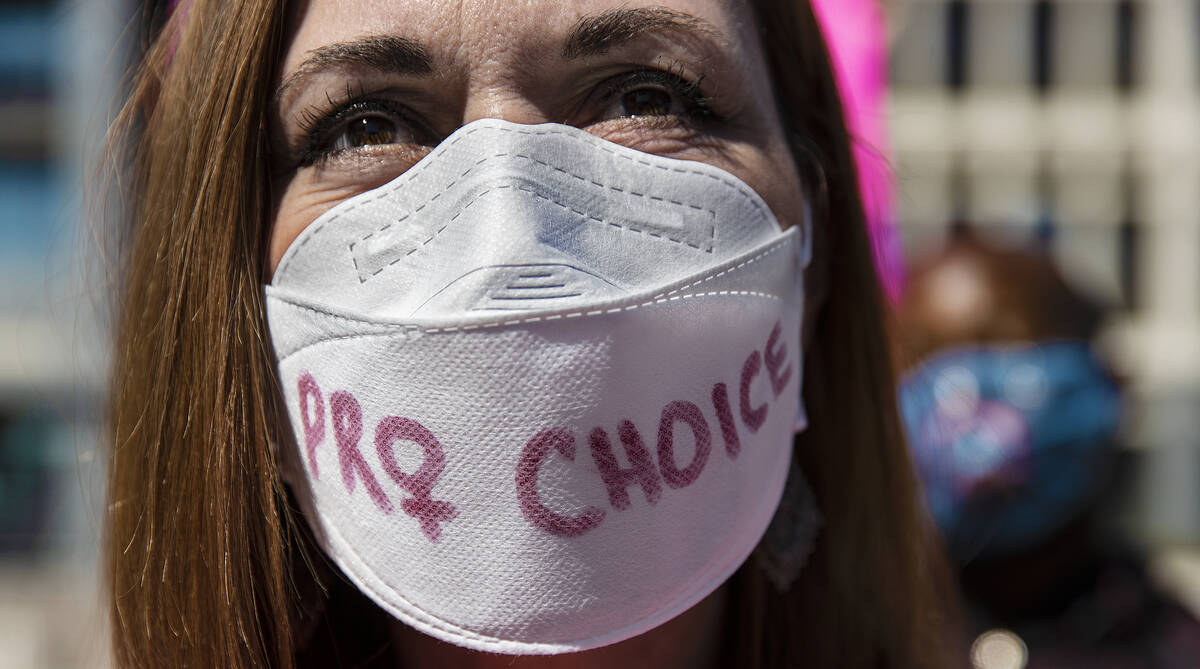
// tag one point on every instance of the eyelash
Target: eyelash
(317, 124)
(698, 106)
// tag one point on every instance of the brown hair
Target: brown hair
(205, 557)
(1015, 293)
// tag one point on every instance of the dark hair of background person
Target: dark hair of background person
(206, 559)
(1001, 294)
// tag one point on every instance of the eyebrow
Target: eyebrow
(595, 34)
(388, 53)
(591, 35)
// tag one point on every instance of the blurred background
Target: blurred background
(1066, 125)
(59, 63)
(1072, 125)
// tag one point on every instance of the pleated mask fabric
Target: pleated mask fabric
(543, 387)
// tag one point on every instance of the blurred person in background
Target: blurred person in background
(1012, 419)
(256, 127)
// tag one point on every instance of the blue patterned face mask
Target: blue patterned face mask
(1011, 443)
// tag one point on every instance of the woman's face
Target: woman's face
(369, 87)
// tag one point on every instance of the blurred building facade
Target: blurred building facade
(1074, 124)
(58, 68)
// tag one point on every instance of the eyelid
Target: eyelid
(674, 78)
(669, 78)
(318, 125)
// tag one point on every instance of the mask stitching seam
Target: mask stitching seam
(775, 247)
(363, 279)
(595, 141)
(392, 328)
(712, 229)
(406, 330)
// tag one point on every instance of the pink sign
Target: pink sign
(856, 31)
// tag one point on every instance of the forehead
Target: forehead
(482, 31)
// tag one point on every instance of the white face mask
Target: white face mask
(543, 386)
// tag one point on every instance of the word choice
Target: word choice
(646, 471)
(642, 470)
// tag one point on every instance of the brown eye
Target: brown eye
(646, 102)
(369, 130)
(359, 126)
(652, 94)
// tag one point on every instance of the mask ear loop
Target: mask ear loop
(814, 185)
(804, 256)
(806, 246)
(814, 197)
